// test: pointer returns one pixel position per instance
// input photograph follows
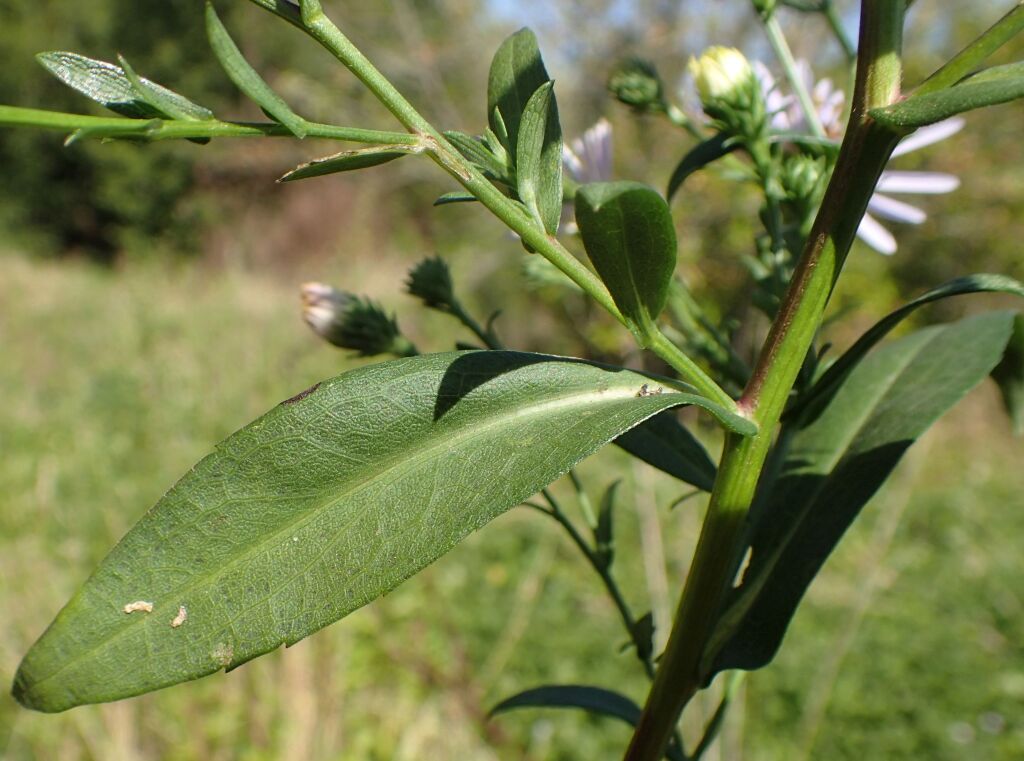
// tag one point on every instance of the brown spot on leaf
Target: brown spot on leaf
(301, 395)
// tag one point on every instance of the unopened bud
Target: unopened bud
(723, 77)
(351, 322)
(636, 83)
(431, 281)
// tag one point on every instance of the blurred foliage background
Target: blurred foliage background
(148, 307)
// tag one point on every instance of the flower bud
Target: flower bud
(723, 77)
(351, 322)
(636, 83)
(431, 281)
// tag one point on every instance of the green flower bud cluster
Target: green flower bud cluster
(803, 181)
(431, 282)
(636, 83)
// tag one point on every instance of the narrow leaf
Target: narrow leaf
(664, 443)
(347, 161)
(977, 52)
(245, 76)
(837, 463)
(604, 539)
(1009, 375)
(517, 70)
(456, 196)
(539, 151)
(986, 89)
(475, 151)
(628, 233)
(592, 699)
(109, 86)
(826, 386)
(699, 157)
(161, 100)
(327, 502)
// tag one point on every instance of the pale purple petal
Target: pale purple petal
(571, 162)
(876, 236)
(933, 133)
(918, 182)
(897, 211)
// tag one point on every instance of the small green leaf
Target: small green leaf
(474, 150)
(517, 70)
(699, 157)
(836, 464)
(110, 86)
(539, 151)
(595, 700)
(164, 104)
(664, 443)
(1009, 375)
(348, 161)
(1000, 84)
(829, 382)
(628, 233)
(327, 502)
(245, 76)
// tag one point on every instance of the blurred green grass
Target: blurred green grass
(114, 383)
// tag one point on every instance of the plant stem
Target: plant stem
(777, 40)
(507, 210)
(864, 153)
(163, 129)
(828, 8)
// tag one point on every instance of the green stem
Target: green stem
(828, 8)
(162, 129)
(508, 211)
(777, 40)
(864, 153)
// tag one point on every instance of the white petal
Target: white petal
(918, 182)
(876, 236)
(897, 211)
(933, 133)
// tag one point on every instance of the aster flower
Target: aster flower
(785, 115)
(587, 158)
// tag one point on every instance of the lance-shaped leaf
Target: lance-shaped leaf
(1009, 375)
(1000, 84)
(699, 157)
(604, 531)
(539, 152)
(517, 70)
(245, 76)
(476, 151)
(595, 700)
(110, 86)
(347, 161)
(666, 444)
(628, 233)
(827, 384)
(324, 504)
(836, 464)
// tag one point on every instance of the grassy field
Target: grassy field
(911, 645)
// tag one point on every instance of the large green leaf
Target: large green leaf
(826, 385)
(628, 233)
(834, 466)
(324, 504)
(539, 152)
(517, 70)
(109, 86)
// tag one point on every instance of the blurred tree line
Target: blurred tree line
(109, 200)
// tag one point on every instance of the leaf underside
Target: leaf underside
(324, 504)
